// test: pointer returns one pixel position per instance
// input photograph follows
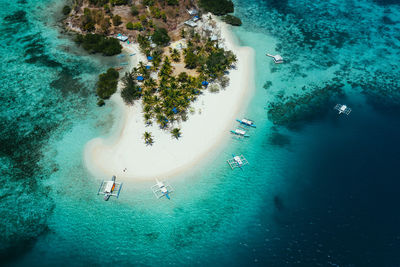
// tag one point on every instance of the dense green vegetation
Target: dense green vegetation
(66, 10)
(116, 20)
(98, 2)
(160, 37)
(107, 84)
(134, 10)
(230, 19)
(217, 7)
(168, 98)
(95, 43)
(118, 2)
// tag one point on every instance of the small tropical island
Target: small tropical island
(187, 74)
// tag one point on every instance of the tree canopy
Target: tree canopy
(217, 7)
(107, 84)
(96, 43)
(230, 19)
(160, 37)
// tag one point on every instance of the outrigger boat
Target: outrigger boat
(240, 132)
(246, 122)
(161, 189)
(277, 58)
(237, 162)
(343, 109)
(108, 188)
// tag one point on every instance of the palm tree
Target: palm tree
(175, 55)
(147, 119)
(176, 133)
(148, 139)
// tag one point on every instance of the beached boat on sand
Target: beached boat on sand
(246, 122)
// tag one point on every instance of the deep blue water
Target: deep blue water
(322, 193)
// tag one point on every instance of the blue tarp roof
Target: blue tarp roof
(149, 58)
(140, 78)
(148, 67)
(174, 110)
(204, 83)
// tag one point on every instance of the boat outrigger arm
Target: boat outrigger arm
(246, 122)
(110, 188)
(161, 189)
(342, 109)
(237, 161)
(240, 132)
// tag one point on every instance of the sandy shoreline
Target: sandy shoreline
(201, 133)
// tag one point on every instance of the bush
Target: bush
(134, 10)
(101, 102)
(213, 88)
(95, 43)
(191, 59)
(160, 37)
(130, 90)
(98, 2)
(129, 26)
(107, 8)
(116, 20)
(172, 2)
(148, 2)
(107, 84)
(219, 7)
(66, 10)
(137, 26)
(230, 19)
(216, 62)
(224, 81)
(119, 2)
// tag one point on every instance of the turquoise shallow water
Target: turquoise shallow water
(300, 202)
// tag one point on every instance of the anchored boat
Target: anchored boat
(246, 122)
(237, 161)
(342, 109)
(161, 189)
(277, 58)
(240, 132)
(110, 188)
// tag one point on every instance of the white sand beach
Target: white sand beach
(125, 154)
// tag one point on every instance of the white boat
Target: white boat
(110, 188)
(277, 58)
(240, 132)
(246, 122)
(342, 109)
(237, 161)
(161, 189)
